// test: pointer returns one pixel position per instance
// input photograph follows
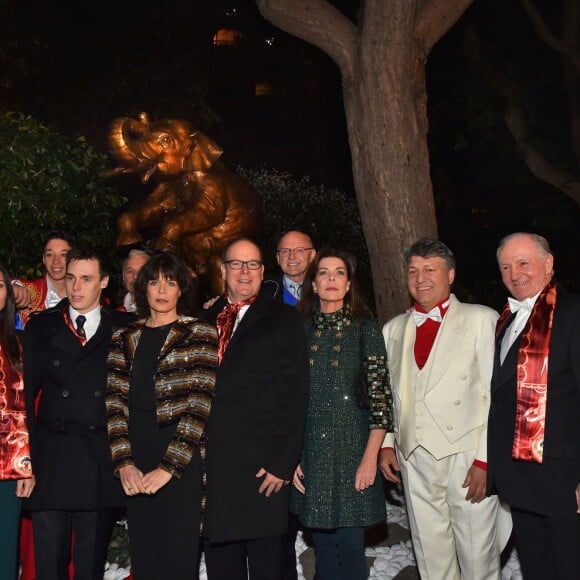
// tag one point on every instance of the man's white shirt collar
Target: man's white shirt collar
(129, 305)
(93, 320)
(295, 288)
(52, 297)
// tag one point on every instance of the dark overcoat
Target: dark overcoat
(69, 445)
(257, 420)
(546, 488)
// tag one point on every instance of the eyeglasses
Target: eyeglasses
(239, 264)
(285, 252)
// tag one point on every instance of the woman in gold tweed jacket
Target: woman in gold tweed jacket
(160, 387)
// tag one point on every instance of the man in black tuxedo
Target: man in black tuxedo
(294, 255)
(65, 354)
(255, 429)
(534, 420)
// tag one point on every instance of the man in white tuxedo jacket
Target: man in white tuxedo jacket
(440, 356)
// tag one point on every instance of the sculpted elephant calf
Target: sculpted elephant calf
(198, 205)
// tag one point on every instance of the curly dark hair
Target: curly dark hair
(310, 301)
(169, 266)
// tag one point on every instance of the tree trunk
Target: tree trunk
(385, 105)
(382, 63)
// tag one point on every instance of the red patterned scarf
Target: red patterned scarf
(532, 376)
(225, 322)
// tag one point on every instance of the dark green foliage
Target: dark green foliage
(49, 182)
(118, 551)
(327, 214)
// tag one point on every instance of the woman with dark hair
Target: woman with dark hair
(160, 388)
(16, 480)
(336, 489)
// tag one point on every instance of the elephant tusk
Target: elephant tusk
(147, 174)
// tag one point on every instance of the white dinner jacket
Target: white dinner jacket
(454, 384)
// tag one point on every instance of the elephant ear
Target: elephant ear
(204, 153)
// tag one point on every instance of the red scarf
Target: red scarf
(225, 322)
(532, 376)
(72, 327)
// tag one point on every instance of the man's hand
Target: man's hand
(155, 480)
(24, 487)
(131, 480)
(389, 465)
(297, 480)
(21, 296)
(475, 481)
(271, 484)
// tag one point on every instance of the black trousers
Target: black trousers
(290, 572)
(262, 559)
(548, 547)
(53, 530)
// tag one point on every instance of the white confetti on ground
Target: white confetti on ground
(389, 561)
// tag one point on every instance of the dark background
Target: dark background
(270, 99)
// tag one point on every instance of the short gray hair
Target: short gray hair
(135, 252)
(540, 241)
(431, 248)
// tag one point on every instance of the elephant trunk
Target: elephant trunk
(124, 134)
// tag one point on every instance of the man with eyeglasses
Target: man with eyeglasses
(255, 430)
(294, 254)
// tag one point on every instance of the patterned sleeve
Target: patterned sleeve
(200, 362)
(116, 402)
(378, 380)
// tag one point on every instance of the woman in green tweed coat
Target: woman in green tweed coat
(336, 489)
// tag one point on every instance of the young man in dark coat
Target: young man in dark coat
(65, 352)
(255, 429)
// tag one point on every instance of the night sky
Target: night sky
(77, 65)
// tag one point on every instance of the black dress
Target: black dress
(163, 528)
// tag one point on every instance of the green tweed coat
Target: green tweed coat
(337, 430)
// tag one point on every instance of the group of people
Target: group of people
(278, 404)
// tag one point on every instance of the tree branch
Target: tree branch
(318, 23)
(435, 18)
(541, 167)
(544, 32)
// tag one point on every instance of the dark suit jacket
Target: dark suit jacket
(546, 488)
(68, 439)
(273, 285)
(257, 420)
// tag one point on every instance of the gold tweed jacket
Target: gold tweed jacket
(184, 389)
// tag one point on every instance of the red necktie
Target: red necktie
(225, 324)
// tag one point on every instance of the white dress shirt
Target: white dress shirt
(92, 323)
(523, 310)
(52, 297)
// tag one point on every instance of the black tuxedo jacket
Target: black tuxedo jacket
(546, 488)
(68, 438)
(257, 420)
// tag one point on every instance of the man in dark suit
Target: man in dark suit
(255, 429)
(534, 420)
(65, 352)
(294, 255)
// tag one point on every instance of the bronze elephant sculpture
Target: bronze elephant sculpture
(198, 205)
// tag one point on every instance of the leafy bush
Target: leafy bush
(49, 182)
(327, 214)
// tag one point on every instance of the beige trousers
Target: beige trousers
(453, 539)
